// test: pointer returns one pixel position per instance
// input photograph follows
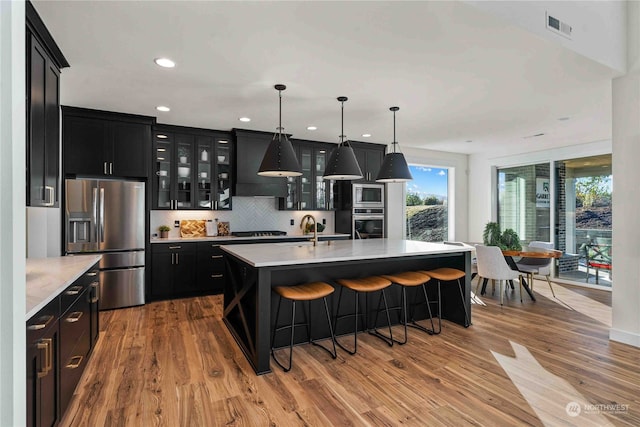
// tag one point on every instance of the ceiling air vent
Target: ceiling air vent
(557, 26)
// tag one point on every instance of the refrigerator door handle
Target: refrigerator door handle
(94, 220)
(101, 223)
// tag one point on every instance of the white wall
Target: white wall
(482, 182)
(599, 27)
(457, 201)
(12, 214)
(43, 232)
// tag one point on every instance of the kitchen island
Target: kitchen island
(249, 304)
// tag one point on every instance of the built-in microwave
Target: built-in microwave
(368, 195)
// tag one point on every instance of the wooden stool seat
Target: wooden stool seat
(408, 278)
(304, 292)
(445, 274)
(365, 284)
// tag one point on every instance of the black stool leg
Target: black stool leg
(415, 324)
(375, 332)
(464, 304)
(333, 353)
(276, 328)
(355, 332)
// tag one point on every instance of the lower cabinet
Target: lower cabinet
(60, 338)
(173, 270)
(211, 269)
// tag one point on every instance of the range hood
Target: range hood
(250, 149)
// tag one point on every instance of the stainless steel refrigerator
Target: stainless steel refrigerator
(108, 217)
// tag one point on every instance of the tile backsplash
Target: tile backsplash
(248, 214)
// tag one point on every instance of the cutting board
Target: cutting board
(193, 228)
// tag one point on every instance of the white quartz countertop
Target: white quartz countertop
(240, 239)
(291, 253)
(48, 277)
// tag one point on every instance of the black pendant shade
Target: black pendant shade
(342, 164)
(280, 159)
(394, 166)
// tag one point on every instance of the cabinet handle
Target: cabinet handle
(110, 168)
(217, 276)
(93, 273)
(45, 346)
(175, 247)
(39, 326)
(215, 246)
(74, 362)
(217, 256)
(172, 256)
(74, 290)
(95, 286)
(73, 317)
(177, 259)
(104, 168)
(49, 191)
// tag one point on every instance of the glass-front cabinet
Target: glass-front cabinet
(309, 191)
(192, 170)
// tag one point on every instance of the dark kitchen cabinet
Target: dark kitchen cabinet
(105, 144)
(309, 191)
(249, 152)
(192, 168)
(42, 366)
(60, 338)
(369, 158)
(43, 63)
(211, 269)
(173, 271)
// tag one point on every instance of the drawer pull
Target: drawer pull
(175, 247)
(215, 246)
(74, 362)
(73, 317)
(74, 290)
(217, 256)
(45, 345)
(45, 321)
(217, 276)
(92, 273)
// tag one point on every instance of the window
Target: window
(427, 213)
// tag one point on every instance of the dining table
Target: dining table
(525, 252)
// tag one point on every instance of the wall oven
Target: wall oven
(367, 223)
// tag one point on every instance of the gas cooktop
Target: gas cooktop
(259, 233)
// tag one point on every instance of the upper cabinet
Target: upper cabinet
(369, 158)
(309, 191)
(43, 63)
(192, 168)
(250, 149)
(105, 144)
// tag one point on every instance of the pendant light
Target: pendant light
(280, 159)
(394, 167)
(342, 164)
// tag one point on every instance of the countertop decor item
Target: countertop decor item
(164, 231)
(193, 228)
(280, 158)
(223, 228)
(394, 166)
(342, 164)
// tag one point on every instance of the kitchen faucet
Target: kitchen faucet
(303, 224)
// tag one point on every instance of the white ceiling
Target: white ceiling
(456, 73)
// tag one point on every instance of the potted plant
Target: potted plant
(507, 240)
(164, 231)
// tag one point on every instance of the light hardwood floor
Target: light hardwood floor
(174, 363)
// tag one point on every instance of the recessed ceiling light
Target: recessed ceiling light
(562, 119)
(244, 119)
(164, 62)
(366, 135)
(163, 108)
(469, 140)
(161, 136)
(312, 127)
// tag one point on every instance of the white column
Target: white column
(12, 214)
(626, 201)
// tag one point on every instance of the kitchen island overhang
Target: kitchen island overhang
(252, 270)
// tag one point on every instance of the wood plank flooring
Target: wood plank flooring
(174, 363)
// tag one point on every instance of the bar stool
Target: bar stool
(305, 292)
(447, 274)
(365, 286)
(412, 279)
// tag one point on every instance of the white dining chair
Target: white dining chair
(539, 266)
(492, 265)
